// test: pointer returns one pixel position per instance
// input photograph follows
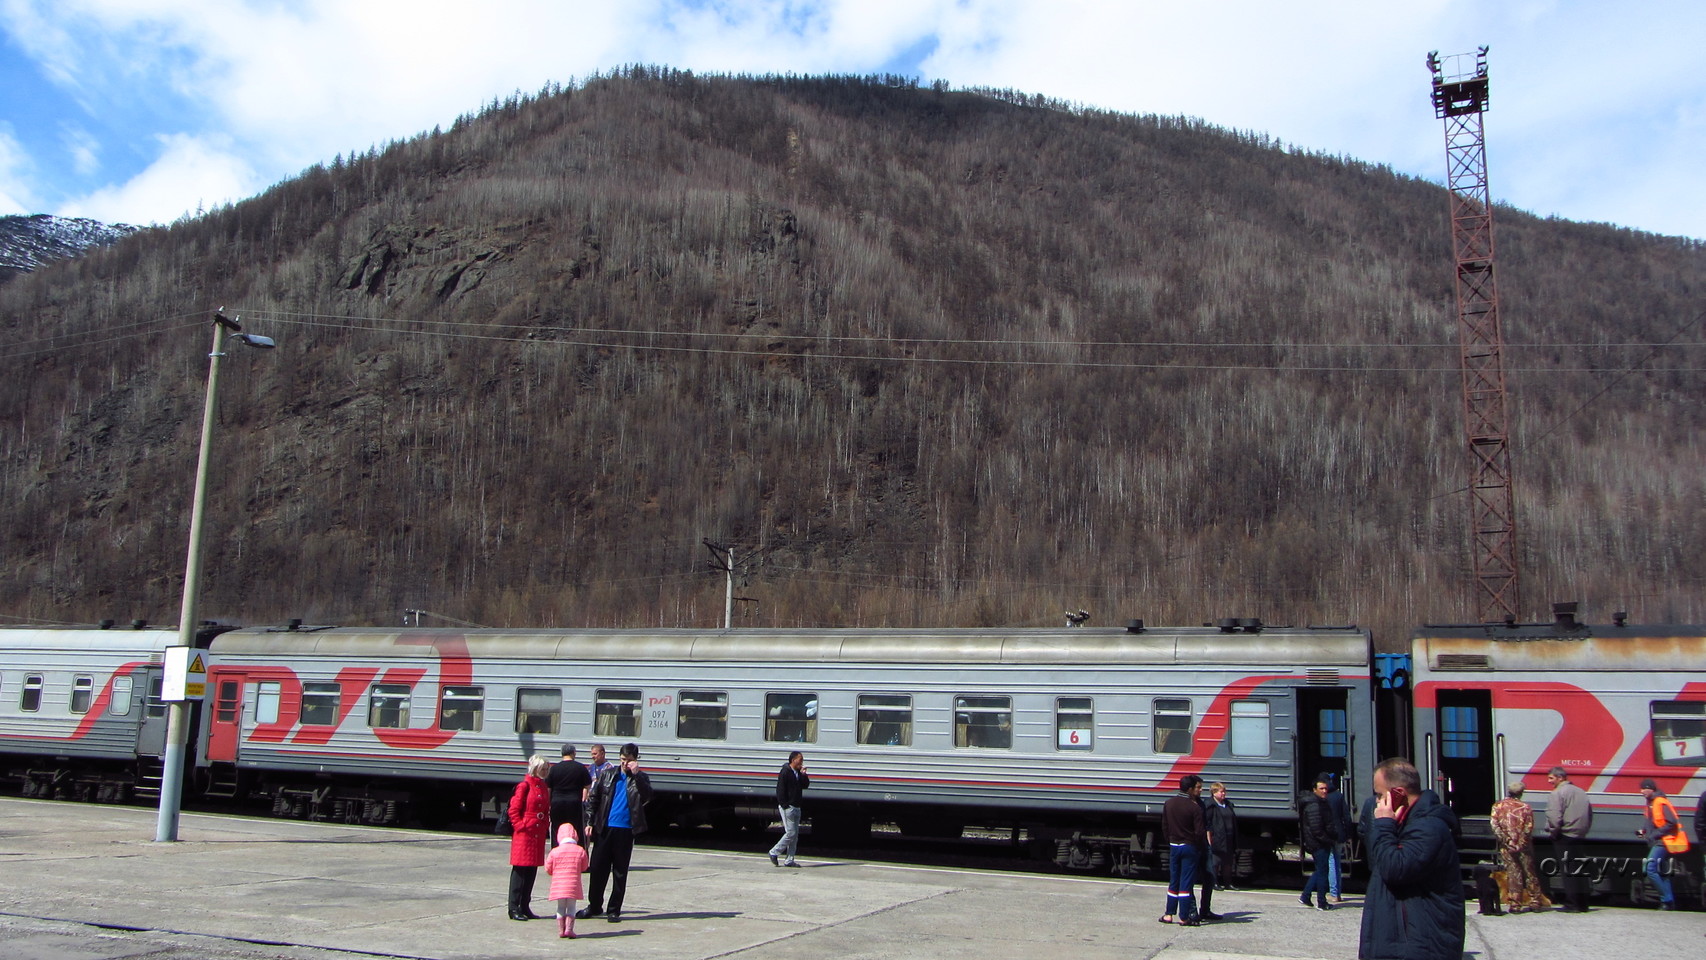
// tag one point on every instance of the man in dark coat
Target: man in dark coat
(1221, 819)
(1315, 834)
(568, 781)
(616, 815)
(1414, 907)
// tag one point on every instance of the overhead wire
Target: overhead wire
(534, 337)
(581, 336)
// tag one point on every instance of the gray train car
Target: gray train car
(1077, 734)
(80, 714)
(1613, 704)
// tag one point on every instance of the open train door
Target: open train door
(1324, 736)
(1467, 778)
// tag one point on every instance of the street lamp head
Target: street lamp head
(255, 340)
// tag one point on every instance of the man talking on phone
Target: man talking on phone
(1414, 907)
(616, 814)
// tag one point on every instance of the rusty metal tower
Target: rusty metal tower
(1460, 98)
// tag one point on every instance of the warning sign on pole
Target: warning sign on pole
(185, 676)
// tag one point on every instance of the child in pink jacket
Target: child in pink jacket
(565, 863)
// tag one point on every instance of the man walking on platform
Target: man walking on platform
(790, 784)
(1315, 834)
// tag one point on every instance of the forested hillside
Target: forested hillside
(920, 356)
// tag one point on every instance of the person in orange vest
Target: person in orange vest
(1665, 840)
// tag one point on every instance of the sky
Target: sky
(145, 111)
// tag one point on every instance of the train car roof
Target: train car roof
(87, 639)
(1290, 646)
(1669, 648)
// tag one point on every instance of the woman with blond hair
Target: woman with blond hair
(530, 814)
(1513, 828)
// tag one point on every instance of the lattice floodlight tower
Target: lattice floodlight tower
(1460, 97)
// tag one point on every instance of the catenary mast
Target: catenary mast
(1460, 98)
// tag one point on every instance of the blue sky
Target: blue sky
(141, 111)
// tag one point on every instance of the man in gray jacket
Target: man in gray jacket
(1569, 816)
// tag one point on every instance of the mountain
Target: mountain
(919, 356)
(28, 242)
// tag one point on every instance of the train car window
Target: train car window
(538, 710)
(885, 719)
(1459, 733)
(983, 721)
(790, 717)
(155, 705)
(321, 704)
(228, 702)
(119, 705)
(82, 692)
(702, 715)
(1075, 723)
(30, 701)
(1335, 732)
(616, 713)
(1679, 732)
(266, 701)
(388, 705)
(1172, 724)
(461, 708)
(1251, 728)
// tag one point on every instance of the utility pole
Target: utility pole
(177, 710)
(725, 561)
(1460, 99)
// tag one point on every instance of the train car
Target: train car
(1077, 734)
(80, 711)
(1611, 703)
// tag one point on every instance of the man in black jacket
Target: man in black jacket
(1315, 834)
(1414, 906)
(1221, 819)
(617, 814)
(568, 781)
(791, 783)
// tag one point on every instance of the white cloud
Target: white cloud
(15, 195)
(84, 147)
(190, 173)
(1580, 87)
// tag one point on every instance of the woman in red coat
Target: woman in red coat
(530, 815)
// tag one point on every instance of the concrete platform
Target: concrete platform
(87, 882)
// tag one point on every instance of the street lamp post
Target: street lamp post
(177, 718)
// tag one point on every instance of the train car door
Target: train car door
(1323, 735)
(1468, 778)
(151, 735)
(225, 730)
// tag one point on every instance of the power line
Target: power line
(534, 338)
